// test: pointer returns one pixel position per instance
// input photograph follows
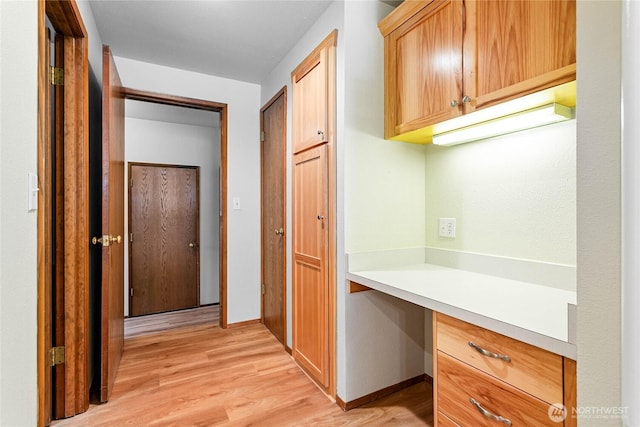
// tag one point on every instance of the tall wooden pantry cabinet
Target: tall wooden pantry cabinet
(313, 228)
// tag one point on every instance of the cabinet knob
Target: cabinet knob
(466, 99)
(453, 103)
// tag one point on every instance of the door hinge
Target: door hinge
(263, 289)
(131, 237)
(131, 183)
(261, 136)
(56, 356)
(131, 292)
(56, 76)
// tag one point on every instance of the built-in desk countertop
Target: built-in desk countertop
(540, 315)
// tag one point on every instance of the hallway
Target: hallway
(180, 368)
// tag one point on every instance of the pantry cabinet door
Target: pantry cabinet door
(310, 256)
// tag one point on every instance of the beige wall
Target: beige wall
(512, 196)
(18, 147)
(598, 207)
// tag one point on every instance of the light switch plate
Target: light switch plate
(33, 189)
(447, 227)
(236, 203)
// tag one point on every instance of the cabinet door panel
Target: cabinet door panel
(424, 68)
(525, 46)
(310, 94)
(310, 255)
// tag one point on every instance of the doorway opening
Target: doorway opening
(219, 208)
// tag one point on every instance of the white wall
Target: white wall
(370, 192)
(95, 42)
(149, 141)
(243, 169)
(331, 19)
(384, 204)
(18, 228)
(598, 207)
(631, 211)
(512, 196)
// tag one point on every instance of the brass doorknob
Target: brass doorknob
(280, 232)
(106, 240)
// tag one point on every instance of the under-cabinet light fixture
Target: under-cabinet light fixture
(535, 117)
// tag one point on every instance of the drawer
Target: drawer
(444, 421)
(459, 382)
(532, 369)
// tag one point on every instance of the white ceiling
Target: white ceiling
(238, 39)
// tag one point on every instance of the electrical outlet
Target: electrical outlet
(447, 227)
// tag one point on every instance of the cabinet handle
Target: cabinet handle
(466, 99)
(453, 103)
(498, 418)
(488, 353)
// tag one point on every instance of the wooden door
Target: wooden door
(310, 89)
(112, 339)
(164, 253)
(423, 68)
(273, 204)
(513, 48)
(310, 255)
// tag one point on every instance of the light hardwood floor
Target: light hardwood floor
(181, 369)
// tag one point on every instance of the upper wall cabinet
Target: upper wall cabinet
(445, 58)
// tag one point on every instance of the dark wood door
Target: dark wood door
(310, 257)
(112, 339)
(164, 236)
(273, 202)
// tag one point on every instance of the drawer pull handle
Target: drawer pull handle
(488, 353)
(498, 418)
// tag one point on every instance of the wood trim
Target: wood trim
(330, 41)
(570, 389)
(66, 18)
(400, 14)
(434, 351)
(76, 224)
(313, 58)
(244, 323)
(526, 87)
(357, 287)
(44, 252)
(371, 397)
(201, 104)
(223, 217)
(177, 101)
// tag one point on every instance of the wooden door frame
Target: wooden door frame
(201, 104)
(67, 21)
(129, 166)
(282, 92)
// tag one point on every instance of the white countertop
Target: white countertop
(536, 314)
